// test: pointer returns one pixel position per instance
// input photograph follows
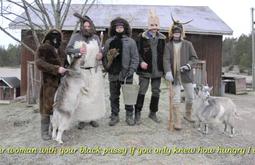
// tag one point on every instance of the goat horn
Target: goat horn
(186, 22)
(173, 19)
(177, 22)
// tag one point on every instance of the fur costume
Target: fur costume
(92, 103)
(48, 60)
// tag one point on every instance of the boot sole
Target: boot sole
(191, 121)
(113, 124)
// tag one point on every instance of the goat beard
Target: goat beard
(87, 33)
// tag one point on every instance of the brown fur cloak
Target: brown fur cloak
(48, 61)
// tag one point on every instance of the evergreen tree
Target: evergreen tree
(237, 52)
(10, 56)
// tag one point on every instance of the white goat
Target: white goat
(213, 109)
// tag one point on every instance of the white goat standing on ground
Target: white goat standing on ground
(213, 109)
(66, 99)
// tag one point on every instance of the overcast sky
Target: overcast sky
(235, 13)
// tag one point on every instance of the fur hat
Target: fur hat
(119, 22)
(177, 25)
(153, 19)
(54, 37)
(50, 32)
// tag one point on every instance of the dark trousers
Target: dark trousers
(144, 85)
(115, 97)
(155, 89)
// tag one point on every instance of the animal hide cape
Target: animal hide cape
(92, 100)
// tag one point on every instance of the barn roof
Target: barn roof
(205, 21)
(12, 82)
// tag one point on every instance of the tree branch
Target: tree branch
(13, 2)
(54, 9)
(44, 12)
(9, 19)
(93, 2)
(62, 5)
(37, 42)
(46, 24)
(63, 18)
(22, 43)
(58, 14)
(82, 9)
(36, 11)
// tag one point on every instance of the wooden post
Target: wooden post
(253, 47)
(30, 83)
(171, 113)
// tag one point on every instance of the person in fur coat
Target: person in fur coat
(120, 59)
(50, 61)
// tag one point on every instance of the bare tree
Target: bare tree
(51, 15)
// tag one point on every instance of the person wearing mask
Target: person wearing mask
(50, 60)
(151, 44)
(179, 58)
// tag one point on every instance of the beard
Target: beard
(176, 39)
(87, 32)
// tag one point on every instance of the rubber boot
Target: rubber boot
(154, 108)
(138, 117)
(154, 117)
(129, 118)
(45, 123)
(114, 120)
(81, 125)
(94, 124)
(138, 108)
(177, 117)
(188, 113)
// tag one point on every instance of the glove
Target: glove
(185, 68)
(169, 76)
(111, 54)
(130, 73)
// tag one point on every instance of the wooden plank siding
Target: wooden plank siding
(209, 48)
(26, 55)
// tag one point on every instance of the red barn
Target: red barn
(9, 88)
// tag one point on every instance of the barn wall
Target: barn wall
(209, 48)
(26, 55)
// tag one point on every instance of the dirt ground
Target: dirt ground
(148, 143)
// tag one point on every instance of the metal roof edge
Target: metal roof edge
(2, 78)
(143, 28)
